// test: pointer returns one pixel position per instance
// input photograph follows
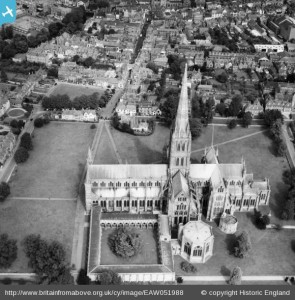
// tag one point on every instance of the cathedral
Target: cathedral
(180, 189)
(178, 195)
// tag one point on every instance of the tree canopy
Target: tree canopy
(242, 245)
(4, 190)
(196, 127)
(26, 141)
(236, 276)
(125, 243)
(21, 155)
(47, 259)
(109, 277)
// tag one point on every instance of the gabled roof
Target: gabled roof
(179, 184)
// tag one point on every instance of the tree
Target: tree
(196, 127)
(222, 77)
(46, 259)
(271, 115)
(32, 41)
(125, 243)
(247, 119)
(276, 129)
(4, 77)
(8, 251)
(242, 245)
(82, 278)
(235, 106)
(109, 277)
(4, 191)
(52, 72)
(54, 29)
(220, 108)
(261, 220)
(38, 122)
(236, 276)
(88, 62)
(8, 51)
(21, 155)
(153, 67)
(187, 267)
(232, 124)
(26, 141)
(281, 147)
(20, 43)
(169, 108)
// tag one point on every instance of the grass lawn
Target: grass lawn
(56, 163)
(142, 149)
(221, 134)
(148, 255)
(53, 220)
(73, 90)
(271, 253)
(258, 153)
(105, 153)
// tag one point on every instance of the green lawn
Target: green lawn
(142, 149)
(75, 90)
(56, 163)
(53, 220)
(148, 256)
(105, 153)
(271, 253)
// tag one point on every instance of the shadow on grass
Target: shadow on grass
(224, 271)
(293, 245)
(230, 243)
(146, 154)
(279, 200)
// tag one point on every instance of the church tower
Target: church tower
(180, 142)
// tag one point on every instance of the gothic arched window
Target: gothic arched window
(134, 184)
(197, 251)
(187, 248)
(177, 161)
(102, 184)
(118, 183)
(141, 184)
(183, 146)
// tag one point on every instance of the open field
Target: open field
(141, 149)
(148, 255)
(73, 90)
(53, 220)
(56, 163)
(271, 253)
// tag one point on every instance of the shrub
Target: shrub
(82, 278)
(236, 276)
(262, 220)
(232, 124)
(26, 141)
(179, 280)
(39, 122)
(187, 267)
(21, 155)
(242, 245)
(92, 126)
(125, 243)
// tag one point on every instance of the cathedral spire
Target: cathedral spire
(180, 143)
(182, 121)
